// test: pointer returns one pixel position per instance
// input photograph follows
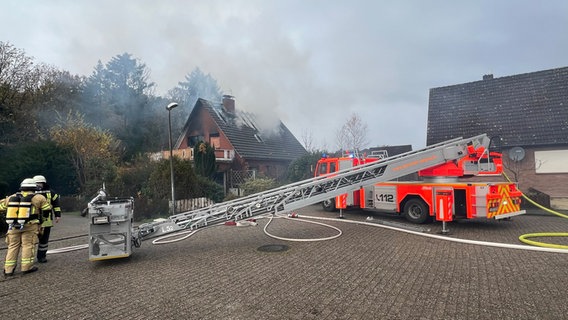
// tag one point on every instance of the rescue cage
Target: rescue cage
(110, 232)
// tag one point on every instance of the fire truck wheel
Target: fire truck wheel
(329, 205)
(416, 211)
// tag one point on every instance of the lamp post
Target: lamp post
(169, 108)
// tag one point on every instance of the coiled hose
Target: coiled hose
(525, 237)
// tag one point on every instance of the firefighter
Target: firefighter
(45, 230)
(24, 210)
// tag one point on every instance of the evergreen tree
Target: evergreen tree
(196, 85)
(303, 167)
(121, 91)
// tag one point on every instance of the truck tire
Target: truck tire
(329, 205)
(416, 211)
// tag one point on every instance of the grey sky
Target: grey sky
(310, 63)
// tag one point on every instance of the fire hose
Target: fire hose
(525, 237)
(186, 234)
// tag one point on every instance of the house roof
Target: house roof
(242, 130)
(389, 150)
(528, 109)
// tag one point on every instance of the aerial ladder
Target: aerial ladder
(307, 192)
(111, 234)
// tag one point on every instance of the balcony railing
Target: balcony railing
(187, 154)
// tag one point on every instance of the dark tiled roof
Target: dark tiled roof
(528, 109)
(242, 131)
(390, 150)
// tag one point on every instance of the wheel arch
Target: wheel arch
(417, 210)
(329, 205)
(408, 197)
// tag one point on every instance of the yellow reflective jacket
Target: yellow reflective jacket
(53, 199)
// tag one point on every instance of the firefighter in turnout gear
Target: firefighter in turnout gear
(24, 211)
(45, 229)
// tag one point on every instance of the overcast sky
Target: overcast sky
(309, 63)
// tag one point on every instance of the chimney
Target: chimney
(229, 103)
(487, 76)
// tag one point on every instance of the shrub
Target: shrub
(252, 186)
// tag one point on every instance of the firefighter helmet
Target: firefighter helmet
(28, 184)
(39, 179)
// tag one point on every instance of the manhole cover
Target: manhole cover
(273, 248)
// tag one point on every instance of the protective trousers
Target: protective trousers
(43, 243)
(26, 239)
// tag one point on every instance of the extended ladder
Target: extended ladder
(300, 194)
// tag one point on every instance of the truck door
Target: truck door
(347, 199)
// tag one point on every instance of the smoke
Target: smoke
(310, 64)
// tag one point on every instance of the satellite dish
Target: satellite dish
(517, 154)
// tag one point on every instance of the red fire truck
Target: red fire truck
(421, 201)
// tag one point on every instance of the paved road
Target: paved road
(368, 272)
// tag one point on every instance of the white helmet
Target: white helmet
(39, 179)
(28, 183)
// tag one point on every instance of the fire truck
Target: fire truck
(112, 234)
(419, 201)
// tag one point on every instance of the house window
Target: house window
(193, 140)
(254, 170)
(215, 140)
(553, 161)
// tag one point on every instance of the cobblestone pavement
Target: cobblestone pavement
(368, 272)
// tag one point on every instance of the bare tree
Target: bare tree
(353, 134)
(341, 140)
(308, 139)
(519, 169)
(15, 71)
(21, 84)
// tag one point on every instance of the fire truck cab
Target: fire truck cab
(327, 166)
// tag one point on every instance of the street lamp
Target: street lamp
(169, 108)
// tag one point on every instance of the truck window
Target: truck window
(332, 167)
(323, 168)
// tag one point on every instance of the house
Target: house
(242, 150)
(527, 114)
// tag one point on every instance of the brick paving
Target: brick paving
(367, 273)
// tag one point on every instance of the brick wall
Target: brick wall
(524, 172)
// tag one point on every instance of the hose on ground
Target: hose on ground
(525, 237)
(68, 249)
(182, 235)
(443, 237)
(178, 237)
(339, 232)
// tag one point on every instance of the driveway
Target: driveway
(378, 268)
